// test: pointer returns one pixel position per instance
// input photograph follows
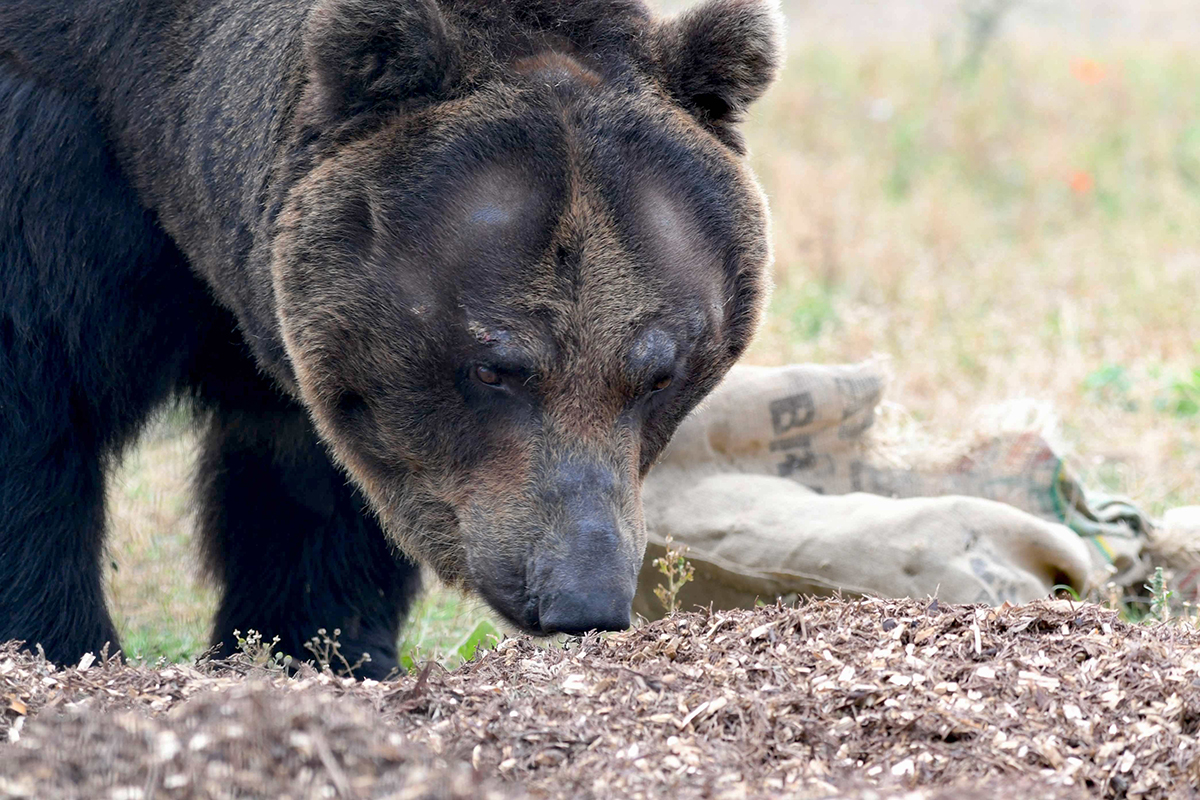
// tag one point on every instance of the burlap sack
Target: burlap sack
(776, 488)
(1176, 545)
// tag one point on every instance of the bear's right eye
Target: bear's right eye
(488, 376)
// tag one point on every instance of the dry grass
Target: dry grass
(1025, 230)
(160, 604)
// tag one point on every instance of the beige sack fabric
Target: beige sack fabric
(1176, 545)
(776, 488)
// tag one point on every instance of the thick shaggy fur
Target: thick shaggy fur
(101, 320)
(449, 269)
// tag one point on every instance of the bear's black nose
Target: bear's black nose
(586, 578)
(588, 584)
(593, 609)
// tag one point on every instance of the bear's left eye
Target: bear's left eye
(661, 383)
(488, 376)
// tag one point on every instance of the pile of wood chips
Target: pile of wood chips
(831, 698)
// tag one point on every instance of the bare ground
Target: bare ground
(863, 699)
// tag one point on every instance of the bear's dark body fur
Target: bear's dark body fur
(479, 257)
(101, 321)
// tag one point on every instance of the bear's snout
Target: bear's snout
(586, 579)
(587, 608)
(581, 546)
(587, 583)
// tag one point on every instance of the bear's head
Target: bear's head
(522, 243)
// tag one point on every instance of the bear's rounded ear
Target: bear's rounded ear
(372, 55)
(719, 58)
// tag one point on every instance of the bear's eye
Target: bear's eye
(661, 383)
(488, 376)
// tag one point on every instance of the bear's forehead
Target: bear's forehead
(531, 188)
(556, 71)
(584, 259)
(582, 221)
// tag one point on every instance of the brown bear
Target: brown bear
(440, 278)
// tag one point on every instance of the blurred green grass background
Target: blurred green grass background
(1004, 198)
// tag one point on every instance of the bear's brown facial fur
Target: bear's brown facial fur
(506, 278)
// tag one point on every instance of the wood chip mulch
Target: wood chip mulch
(831, 698)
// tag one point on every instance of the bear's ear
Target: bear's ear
(372, 55)
(719, 58)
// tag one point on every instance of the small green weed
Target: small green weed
(174, 643)
(447, 628)
(261, 654)
(1065, 590)
(1187, 158)
(1182, 397)
(909, 156)
(328, 652)
(1110, 384)
(962, 53)
(484, 636)
(1160, 596)
(810, 309)
(678, 572)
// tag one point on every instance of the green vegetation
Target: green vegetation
(677, 571)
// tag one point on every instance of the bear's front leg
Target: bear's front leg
(51, 537)
(97, 313)
(292, 543)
